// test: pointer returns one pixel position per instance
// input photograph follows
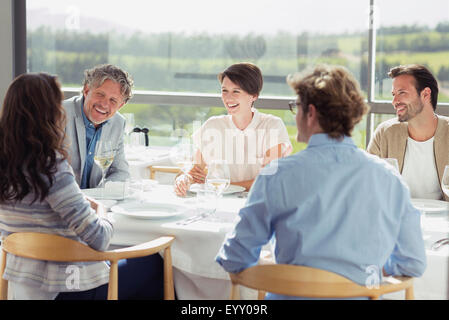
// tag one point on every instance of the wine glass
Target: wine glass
(183, 156)
(104, 156)
(218, 177)
(129, 124)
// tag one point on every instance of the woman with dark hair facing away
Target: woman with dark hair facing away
(38, 193)
(245, 138)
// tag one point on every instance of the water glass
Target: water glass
(206, 200)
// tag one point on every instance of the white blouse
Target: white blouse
(244, 150)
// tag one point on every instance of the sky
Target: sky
(238, 16)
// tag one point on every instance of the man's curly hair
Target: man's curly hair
(336, 96)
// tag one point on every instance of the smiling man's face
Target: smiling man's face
(406, 99)
(101, 103)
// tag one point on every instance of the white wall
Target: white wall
(6, 47)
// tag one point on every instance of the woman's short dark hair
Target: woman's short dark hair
(336, 96)
(423, 79)
(245, 74)
(32, 134)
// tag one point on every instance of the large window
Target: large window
(175, 48)
(408, 32)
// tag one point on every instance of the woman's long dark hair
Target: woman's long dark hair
(32, 134)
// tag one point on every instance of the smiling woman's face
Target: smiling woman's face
(235, 99)
(100, 104)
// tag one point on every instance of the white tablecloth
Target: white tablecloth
(198, 276)
(434, 283)
(196, 244)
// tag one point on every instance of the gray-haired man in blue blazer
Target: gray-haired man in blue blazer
(92, 117)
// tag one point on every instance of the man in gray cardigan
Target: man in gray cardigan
(92, 117)
(417, 138)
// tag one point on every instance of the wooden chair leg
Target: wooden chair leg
(113, 281)
(261, 295)
(409, 293)
(3, 283)
(169, 292)
(235, 292)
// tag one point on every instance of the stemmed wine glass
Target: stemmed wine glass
(218, 177)
(129, 125)
(104, 156)
(183, 156)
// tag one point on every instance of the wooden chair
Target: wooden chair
(304, 281)
(165, 169)
(50, 247)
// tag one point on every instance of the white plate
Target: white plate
(229, 190)
(429, 205)
(148, 210)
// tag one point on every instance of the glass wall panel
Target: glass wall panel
(412, 32)
(180, 46)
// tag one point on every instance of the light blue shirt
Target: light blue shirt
(333, 207)
(92, 136)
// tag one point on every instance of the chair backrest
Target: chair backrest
(170, 173)
(51, 247)
(302, 281)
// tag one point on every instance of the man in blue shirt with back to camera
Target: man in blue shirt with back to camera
(332, 206)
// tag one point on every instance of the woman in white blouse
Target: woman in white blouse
(245, 138)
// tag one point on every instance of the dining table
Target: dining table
(434, 283)
(199, 233)
(197, 275)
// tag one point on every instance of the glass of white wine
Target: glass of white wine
(183, 156)
(104, 156)
(218, 177)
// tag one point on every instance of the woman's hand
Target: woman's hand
(182, 184)
(97, 206)
(198, 175)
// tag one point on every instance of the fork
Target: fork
(193, 219)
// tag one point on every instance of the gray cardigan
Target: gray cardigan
(113, 130)
(64, 212)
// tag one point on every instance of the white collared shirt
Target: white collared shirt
(244, 150)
